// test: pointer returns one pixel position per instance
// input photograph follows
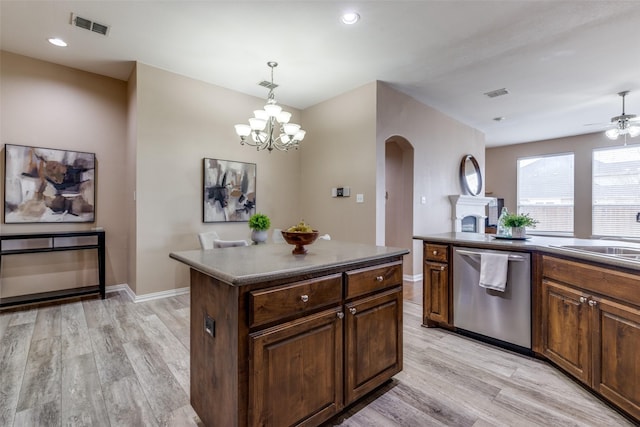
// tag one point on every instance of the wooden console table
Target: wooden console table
(52, 247)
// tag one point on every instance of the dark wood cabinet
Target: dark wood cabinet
(616, 334)
(436, 293)
(435, 286)
(373, 342)
(296, 371)
(294, 352)
(592, 337)
(565, 326)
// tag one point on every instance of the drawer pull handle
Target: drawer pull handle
(583, 300)
(352, 310)
(593, 303)
(442, 268)
(379, 278)
(435, 252)
(340, 315)
(304, 298)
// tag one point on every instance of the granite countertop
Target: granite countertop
(545, 244)
(256, 263)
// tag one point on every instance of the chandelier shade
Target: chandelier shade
(269, 128)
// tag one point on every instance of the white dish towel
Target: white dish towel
(493, 271)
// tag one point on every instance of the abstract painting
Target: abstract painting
(229, 190)
(48, 185)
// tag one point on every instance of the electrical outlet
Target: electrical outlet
(209, 325)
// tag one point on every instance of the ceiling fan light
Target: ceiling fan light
(633, 131)
(612, 133)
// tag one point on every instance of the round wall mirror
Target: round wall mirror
(470, 175)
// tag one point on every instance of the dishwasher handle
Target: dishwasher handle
(517, 258)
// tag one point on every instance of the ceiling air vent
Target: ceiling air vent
(497, 92)
(268, 85)
(88, 24)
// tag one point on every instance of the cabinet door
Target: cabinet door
(373, 340)
(295, 371)
(566, 329)
(435, 293)
(617, 354)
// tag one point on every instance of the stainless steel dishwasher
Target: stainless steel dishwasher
(502, 316)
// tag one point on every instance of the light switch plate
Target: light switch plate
(359, 198)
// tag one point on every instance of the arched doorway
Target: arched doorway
(399, 196)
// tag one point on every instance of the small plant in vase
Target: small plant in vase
(517, 223)
(259, 223)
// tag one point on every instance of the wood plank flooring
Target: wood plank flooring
(111, 362)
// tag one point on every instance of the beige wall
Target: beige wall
(130, 187)
(340, 152)
(47, 105)
(151, 134)
(180, 121)
(501, 166)
(439, 143)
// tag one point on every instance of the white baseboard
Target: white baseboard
(412, 278)
(147, 297)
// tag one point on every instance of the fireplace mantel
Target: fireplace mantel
(463, 206)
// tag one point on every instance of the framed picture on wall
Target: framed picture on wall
(44, 185)
(229, 190)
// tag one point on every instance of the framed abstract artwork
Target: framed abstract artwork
(229, 190)
(44, 185)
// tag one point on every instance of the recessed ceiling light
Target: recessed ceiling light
(57, 42)
(350, 18)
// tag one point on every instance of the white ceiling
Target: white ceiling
(563, 62)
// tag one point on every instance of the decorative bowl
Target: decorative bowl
(299, 239)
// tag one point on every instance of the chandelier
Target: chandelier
(270, 128)
(623, 123)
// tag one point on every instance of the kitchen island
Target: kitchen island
(281, 339)
(584, 297)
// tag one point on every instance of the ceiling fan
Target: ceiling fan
(624, 123)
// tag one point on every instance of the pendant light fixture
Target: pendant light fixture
(270, 128)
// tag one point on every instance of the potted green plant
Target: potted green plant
(517, 223)
(259, 223)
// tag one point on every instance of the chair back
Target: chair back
(206, 239)
(217, 243)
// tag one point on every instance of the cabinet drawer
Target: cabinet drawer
(370, 279)
(436, 252)
(614, 284)
(273, 304)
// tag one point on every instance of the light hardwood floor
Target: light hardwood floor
(115, 363)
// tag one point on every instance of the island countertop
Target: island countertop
(246, 265)
(545, 244)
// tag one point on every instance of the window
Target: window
(545, 191)
(616, 191)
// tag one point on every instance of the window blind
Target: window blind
(616, 191)
(545, 191)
